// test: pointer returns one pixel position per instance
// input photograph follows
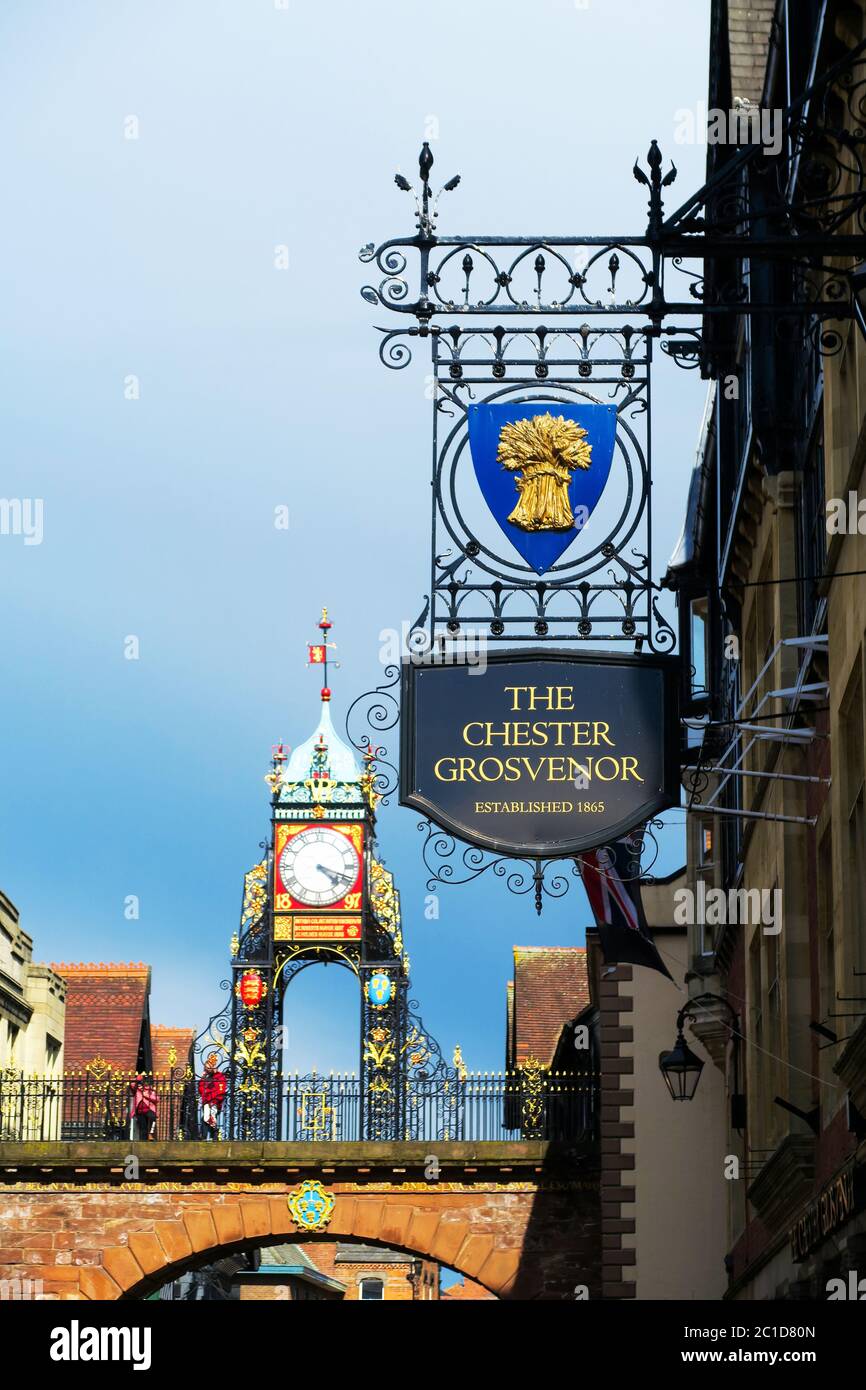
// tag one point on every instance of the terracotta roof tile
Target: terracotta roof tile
(163, 1039)
(467, 1292)
(551, 986)
(106, 1009)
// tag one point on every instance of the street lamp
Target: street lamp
(681, 1068)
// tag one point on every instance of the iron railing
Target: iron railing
(532, 1103)
(81, 1106)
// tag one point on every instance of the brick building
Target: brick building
(647, 1251)
(107, 1017)
(109, 1038)
(338, 1270)
(547, 997)
(108, 1027)
(172, 1048)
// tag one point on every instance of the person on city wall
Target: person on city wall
(142, 1106)
(212, 1089)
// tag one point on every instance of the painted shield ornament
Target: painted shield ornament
(251, 989)
(311, 1207)
(380, 988)
(542, 467)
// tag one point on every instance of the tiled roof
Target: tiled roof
(274, 1255)
(749, 27)
(106, 1006)
(467, 1292)
(370, 1254)
(163, 1039)
(551, 986)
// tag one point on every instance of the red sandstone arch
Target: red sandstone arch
(202, 1232)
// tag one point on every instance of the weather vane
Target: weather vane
(317, 652)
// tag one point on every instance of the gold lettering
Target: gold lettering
(490, 777)
(613, 762)
(442, 776)
(517, 689)
(542, 701)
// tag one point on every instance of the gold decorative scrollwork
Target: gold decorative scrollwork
(532, 1078)
(250, 1057)
(255, 894)
(316, 1118)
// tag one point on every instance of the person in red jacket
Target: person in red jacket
(142, 1106)
(212, 1089)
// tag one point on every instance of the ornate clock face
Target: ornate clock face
(319, 866)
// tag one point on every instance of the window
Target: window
(699, 647)
(854, 810)
(12, 1034)
(811, 529)
(827, 944)
(52, 1054)
(774, 1032)
(756, 1004)
(706, 932)
(372, 1289)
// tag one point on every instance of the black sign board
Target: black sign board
(835, 1204)
(540, 753)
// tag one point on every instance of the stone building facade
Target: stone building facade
(772, 605)
(32, 1003)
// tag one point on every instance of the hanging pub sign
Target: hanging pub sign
(540, 753)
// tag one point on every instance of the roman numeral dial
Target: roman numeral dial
(319, 866)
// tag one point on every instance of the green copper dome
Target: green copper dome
(324, 751)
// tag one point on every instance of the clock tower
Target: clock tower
(319, 895)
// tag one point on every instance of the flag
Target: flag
(610, 877)
(317, 654)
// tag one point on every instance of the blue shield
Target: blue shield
(379, 989)
(542, 467)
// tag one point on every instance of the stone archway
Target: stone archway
(523, 1219)
(149, 1259)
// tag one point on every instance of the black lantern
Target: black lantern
(681, 1069)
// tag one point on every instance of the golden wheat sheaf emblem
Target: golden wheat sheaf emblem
(543, 450)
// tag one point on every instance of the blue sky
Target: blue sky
(261, 126)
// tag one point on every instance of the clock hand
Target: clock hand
(334, 877)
